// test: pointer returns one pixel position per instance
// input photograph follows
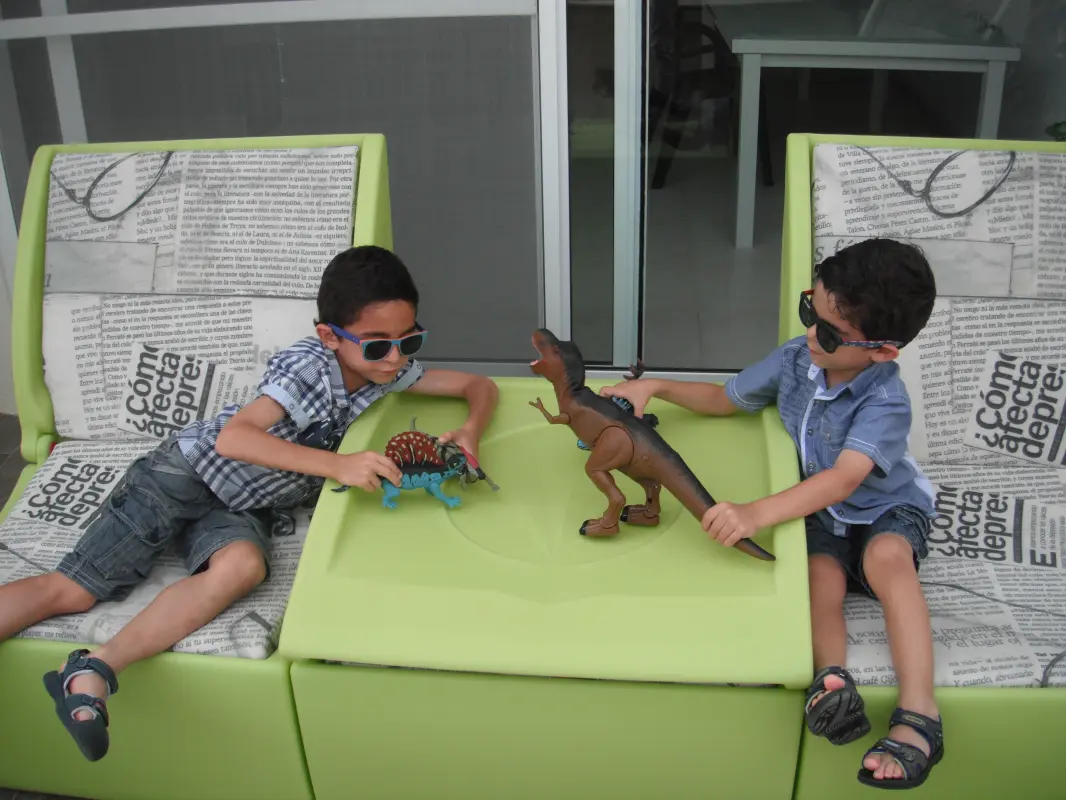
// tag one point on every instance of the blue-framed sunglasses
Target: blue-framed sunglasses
(377, 349)
(828, 338)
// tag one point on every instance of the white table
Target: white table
(817, 36)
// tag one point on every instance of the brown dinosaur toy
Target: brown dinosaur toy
(619, 441)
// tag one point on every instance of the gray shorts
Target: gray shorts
(903, 520)
(159, 501)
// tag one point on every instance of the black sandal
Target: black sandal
(840, 714)
(915, 764)
(90, 734)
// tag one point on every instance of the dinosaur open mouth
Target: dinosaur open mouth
(535, 361)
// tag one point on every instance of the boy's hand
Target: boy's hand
(365, 470)
(637, 392)
(464, 438)
(728, 523)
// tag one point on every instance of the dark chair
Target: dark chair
(673, 92)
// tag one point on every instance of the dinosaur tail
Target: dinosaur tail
(683, 484)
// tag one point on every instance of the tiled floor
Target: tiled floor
(708, 306)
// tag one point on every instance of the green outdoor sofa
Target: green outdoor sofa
(996, 722)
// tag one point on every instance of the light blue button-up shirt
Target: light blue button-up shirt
(870, 414)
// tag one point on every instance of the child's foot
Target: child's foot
(80, 690)
(830, 684)
(834, 707)
(90, 683)
(881, 763)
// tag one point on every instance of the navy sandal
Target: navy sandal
(915, 764)
(840, 714)
(90, 734)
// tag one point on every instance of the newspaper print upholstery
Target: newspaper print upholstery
(214, 255)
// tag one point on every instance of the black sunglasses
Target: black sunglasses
(377, 349)
(829, 338)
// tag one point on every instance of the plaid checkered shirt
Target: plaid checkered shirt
(306, 381)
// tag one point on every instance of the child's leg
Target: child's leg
(834, 708)
(153, 502)
(828, 586)
(109, 559)
(895, 544)
(226, 552)
(28, 601)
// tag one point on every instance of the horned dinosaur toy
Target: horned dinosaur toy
(426, 462)
(620, 441)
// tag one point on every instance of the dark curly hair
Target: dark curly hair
(883, 287)
(359, 277)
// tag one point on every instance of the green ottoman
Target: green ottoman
(491, 651)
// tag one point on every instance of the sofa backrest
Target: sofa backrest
(992, 224)
(163, 275)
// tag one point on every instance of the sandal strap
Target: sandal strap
(80, 663)
(911, 759)
(930, 729)
(86, 702)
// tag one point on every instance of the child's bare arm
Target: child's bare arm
(729, 522)
(751, 390)
(816, 493)
(246, 437)
(703, 398)
(480, 393)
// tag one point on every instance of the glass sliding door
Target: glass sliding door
(604, 64)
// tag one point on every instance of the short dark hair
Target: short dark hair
(883, 287)
(359, 277)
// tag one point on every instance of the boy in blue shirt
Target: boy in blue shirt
(866, 504)
(213, 488)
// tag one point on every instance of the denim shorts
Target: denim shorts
(903, 520)
(158, 502)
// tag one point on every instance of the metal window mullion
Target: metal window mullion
(14, 167)
(554, 167)
(64, 77)
(8, 233)
(260, 13)
(628, 34)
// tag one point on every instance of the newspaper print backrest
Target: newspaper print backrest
(987, 381)
(172, 276)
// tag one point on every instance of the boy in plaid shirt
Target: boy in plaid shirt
(213, 488)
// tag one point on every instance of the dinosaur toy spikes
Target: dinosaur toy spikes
(426, 462)
(619, 441)
(635, 372)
